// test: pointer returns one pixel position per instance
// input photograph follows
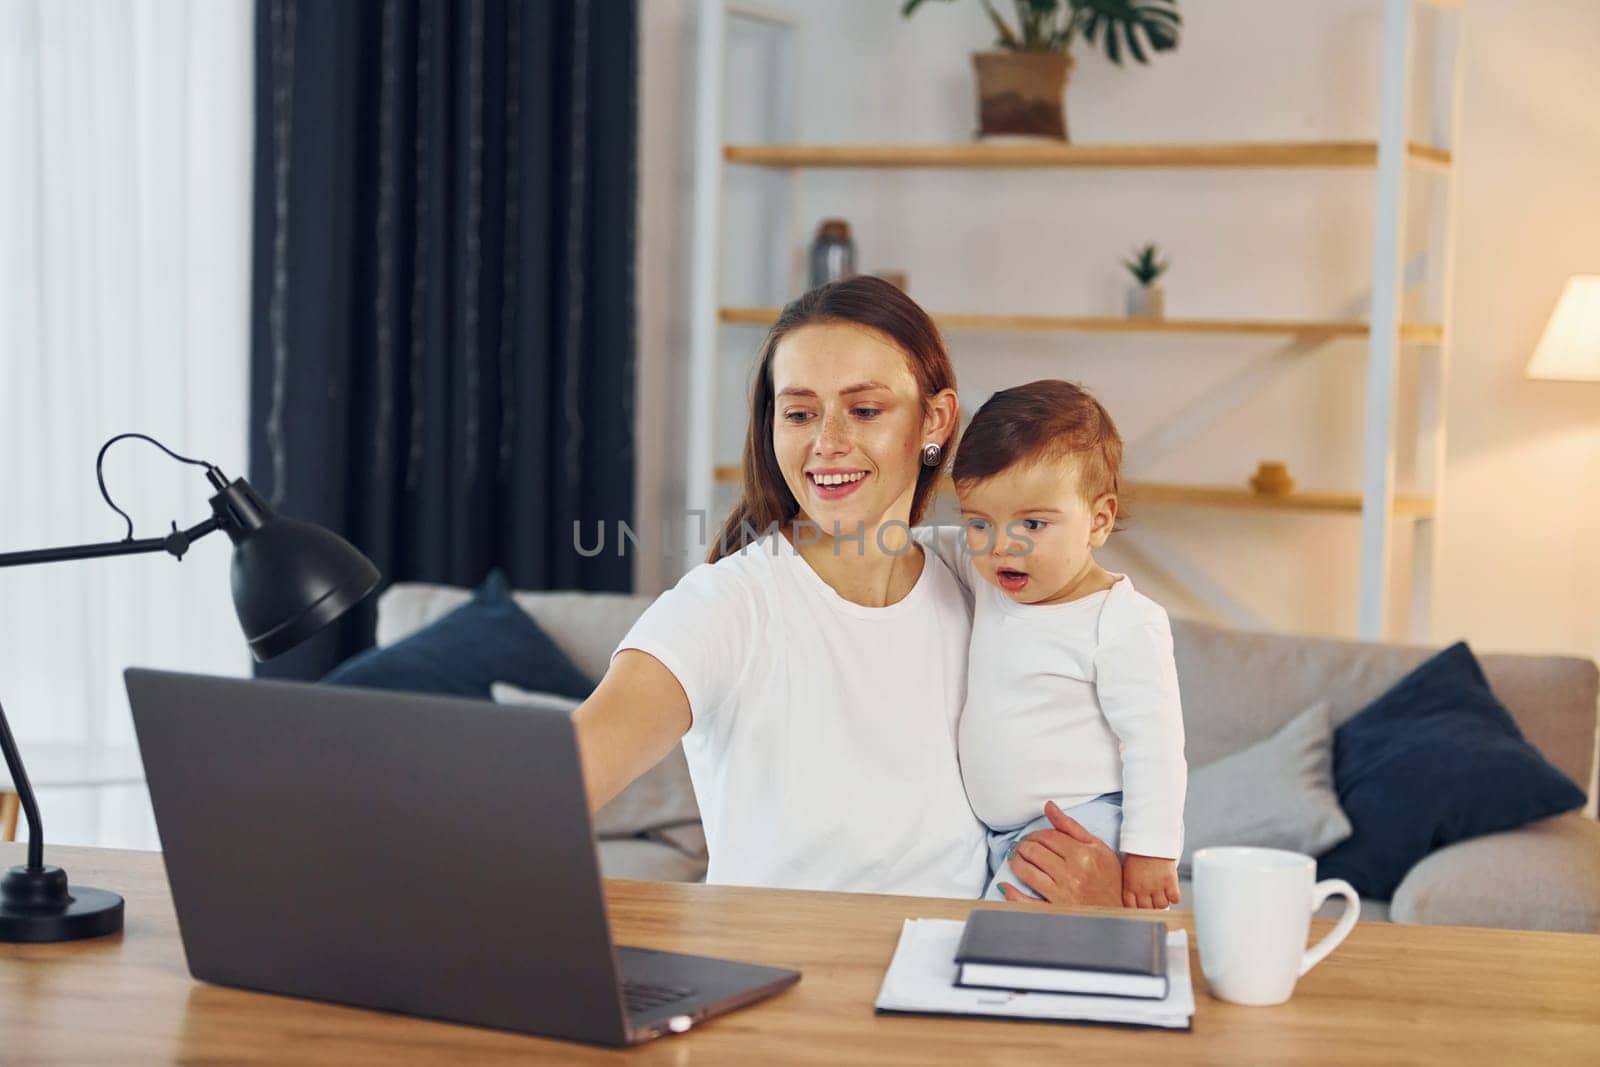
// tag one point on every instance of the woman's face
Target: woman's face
(849, 425)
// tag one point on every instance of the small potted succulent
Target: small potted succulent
(1146, 300)
(1021, 84)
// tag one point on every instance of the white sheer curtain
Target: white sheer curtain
(125, 178)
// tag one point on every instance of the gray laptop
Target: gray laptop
(416, 854)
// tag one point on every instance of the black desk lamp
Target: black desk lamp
(290, 579)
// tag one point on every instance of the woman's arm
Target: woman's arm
(628, 724)
(1066, 865)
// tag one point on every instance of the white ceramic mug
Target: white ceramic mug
(1252, 912)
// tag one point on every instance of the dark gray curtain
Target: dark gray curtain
(442, 307)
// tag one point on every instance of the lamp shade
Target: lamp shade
(290, 578)
(1569, 351)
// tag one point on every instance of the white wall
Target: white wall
(1247, 244)
(1521, 509)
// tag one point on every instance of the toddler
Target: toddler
(1072, 693)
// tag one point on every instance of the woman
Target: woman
(815, 666)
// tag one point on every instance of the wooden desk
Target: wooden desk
(1390, 994)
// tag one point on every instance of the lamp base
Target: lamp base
(35, 906)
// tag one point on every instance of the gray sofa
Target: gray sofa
(1238, 688)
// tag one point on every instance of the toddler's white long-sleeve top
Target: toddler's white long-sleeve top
(1067, 702)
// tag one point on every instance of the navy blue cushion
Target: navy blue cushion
(488, 639)
(1436, 759)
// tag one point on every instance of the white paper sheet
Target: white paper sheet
(921, 978)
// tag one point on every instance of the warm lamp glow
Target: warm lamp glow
(1569, 351)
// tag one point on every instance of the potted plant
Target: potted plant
(1146, 299)
(1022, 83)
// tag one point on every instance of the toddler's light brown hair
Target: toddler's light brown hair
(1047, 419)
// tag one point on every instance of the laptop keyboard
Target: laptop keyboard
(643, 996)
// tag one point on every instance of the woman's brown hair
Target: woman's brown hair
(764, 497)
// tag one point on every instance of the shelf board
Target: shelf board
(1222, 496)
(1411, 333)
(1264, 154)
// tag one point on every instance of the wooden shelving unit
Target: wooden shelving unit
(1283, 154)
(1410, 333)
(1392, 157)
(1223, 496)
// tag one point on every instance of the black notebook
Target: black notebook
(1063, 954)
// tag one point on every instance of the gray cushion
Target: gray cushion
(506, 693)
(659, 798)
(651, 860)
(1542, 876)
(1277, 793)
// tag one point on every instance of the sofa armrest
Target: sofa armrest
(1543, 876)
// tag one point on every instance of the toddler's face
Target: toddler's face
(1031, 532)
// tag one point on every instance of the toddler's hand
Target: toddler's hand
(1149, 882)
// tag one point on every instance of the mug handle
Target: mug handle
(1347, 921)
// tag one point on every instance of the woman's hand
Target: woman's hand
(1066, 865)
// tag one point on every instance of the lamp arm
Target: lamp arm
(176, 544)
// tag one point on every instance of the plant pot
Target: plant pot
(1147, 302)
(1022, 93)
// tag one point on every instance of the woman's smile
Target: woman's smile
(832, 483)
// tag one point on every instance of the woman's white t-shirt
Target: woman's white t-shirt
(823, 743)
